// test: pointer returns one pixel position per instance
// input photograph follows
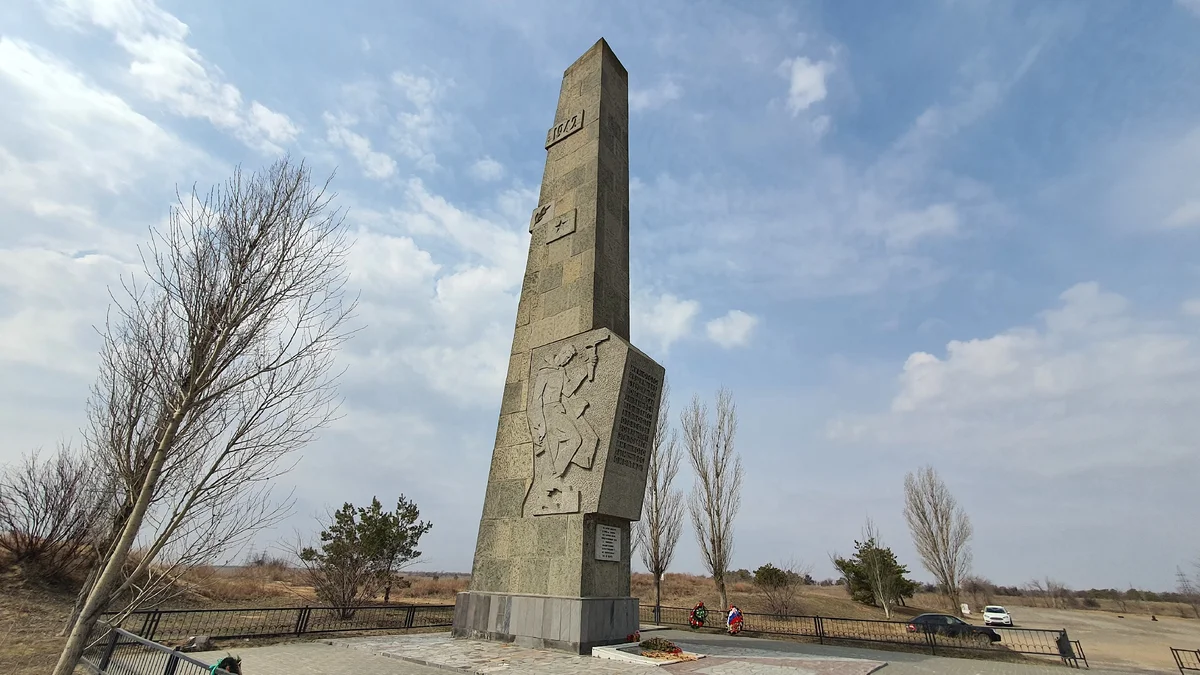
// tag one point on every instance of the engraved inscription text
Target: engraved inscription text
(608, 543)
(635, 428)
(564, 128)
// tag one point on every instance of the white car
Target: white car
(995, 615)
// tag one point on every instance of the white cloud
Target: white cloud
(806, 82)
(64, 143)
(906, 228)
(48, 303)
(166, 69)
(654, 97)
(439, 296)
(277, 127)
(1139, 182)
(374, 164)
(502, 244)
(1092, 386)
(1190, 307)
(416, 131)
(384, 266)
(487, 170)
(1187, 215)
(839, 228)
(732, 330)
(1192, 6)
(661, 320)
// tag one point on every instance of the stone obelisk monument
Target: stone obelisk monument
(580, 403)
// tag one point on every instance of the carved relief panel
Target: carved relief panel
(592, 406)
(567, 417)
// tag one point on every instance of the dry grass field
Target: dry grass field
(30, 614)
(29, 618)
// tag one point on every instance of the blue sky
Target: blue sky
(958, 233)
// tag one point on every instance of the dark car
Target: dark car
(952, 627)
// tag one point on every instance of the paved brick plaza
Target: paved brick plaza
(428, 654)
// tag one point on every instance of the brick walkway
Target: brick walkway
(491, 657)
(428, 654)
(898, 663)
(316, 658)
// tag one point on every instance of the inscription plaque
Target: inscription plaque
(634, 430)
(564, 128)
(561, 226)
(608, 543)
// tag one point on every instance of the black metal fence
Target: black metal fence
(825, 629)
(168, 625)
(115, 651)
(1186, 660)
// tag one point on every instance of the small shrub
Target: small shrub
(1091, 603)
(426, 587)
(778, 586)
(50, 513)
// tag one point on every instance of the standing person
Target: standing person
(734, 623)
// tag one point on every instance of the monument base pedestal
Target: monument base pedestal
(545, 622)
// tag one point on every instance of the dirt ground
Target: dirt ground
(1132, 642)
(29, 620)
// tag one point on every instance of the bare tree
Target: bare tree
(47, 508)
(717, 492)
(1057, 593)
(1036, 589)
(662, 507)
(215, 367)
(1122, 601)
(1187, 590)
(879, 569)
(980, 589)
(941, 530)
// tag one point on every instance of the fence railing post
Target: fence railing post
(819, 629)
(146, 618)
(409, 616)
(931, 638)
(172, 663)
(109, 648)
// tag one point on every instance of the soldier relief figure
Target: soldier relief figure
(562, 436)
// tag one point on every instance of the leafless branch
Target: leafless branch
(717, 492)
(47, 508)
(214, 368)
(880, 573)
(661, 525)
(980, 589)
(1187, 590)
(941, 530)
